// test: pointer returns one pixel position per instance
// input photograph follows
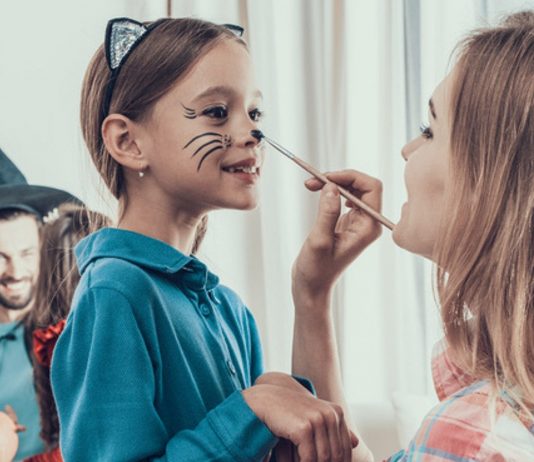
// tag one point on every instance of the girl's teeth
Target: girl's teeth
(242, 169)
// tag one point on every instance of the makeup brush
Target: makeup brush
(258, 134)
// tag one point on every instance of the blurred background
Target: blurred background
(346, 84)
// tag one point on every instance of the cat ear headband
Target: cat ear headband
(123, 35)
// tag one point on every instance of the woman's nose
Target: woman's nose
(410, 147)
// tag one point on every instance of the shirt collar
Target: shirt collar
(143, 251)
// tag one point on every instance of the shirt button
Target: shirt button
(205, 310)
(231, 367)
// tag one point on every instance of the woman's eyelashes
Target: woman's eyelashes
(426, 131)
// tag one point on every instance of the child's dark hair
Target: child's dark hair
(57, 280)
(164, 56)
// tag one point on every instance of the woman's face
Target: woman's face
(426, 176)
(201, 155)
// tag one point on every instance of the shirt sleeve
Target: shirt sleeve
(104, 384)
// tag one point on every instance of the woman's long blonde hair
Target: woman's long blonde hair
(485, 274)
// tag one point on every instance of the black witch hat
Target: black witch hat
(16, 193)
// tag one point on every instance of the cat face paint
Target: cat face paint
(217, 97)
(189, 113)
(207, 143)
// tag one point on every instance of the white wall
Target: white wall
(45, 47)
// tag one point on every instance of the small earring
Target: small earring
(141, 174)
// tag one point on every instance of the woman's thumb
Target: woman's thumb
(329, 210)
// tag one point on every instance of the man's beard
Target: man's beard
(17, 302)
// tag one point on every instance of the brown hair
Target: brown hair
(485, 278)
(58, 278)
(164, 56)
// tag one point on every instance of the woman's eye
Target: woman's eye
(256, 115)
(426, 131)
(217, 112)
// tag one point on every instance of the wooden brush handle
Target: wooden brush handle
(346, 194)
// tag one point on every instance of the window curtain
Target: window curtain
(346, 84)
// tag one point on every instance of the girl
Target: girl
(158, 360)
(57, 280)
(470, 209)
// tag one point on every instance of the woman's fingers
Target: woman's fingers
(354, 440)
(313, 184)
(304, 439)
(363, 186)
(348, 438)
(321, 436)
(337, 453)
(313, 425)
(327, 219)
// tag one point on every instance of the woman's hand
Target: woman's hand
(316, 428)
(336, 240)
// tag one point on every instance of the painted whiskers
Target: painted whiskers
(211, 142)
(206, 143)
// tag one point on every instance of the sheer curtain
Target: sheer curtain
(346, 83)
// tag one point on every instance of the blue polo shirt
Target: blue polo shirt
(17, 389)
(153, 359)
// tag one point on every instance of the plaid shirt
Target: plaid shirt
(463, 427)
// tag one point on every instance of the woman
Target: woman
(470, 209)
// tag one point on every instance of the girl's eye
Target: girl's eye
(426, 131)
(256, 115)
(216, 112)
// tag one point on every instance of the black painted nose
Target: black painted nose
(258, 134)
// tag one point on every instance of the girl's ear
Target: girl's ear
(120, 137)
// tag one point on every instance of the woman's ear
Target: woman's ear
(120, 137)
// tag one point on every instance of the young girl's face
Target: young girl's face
(426, 176)
(201, 155)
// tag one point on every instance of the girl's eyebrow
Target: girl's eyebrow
(432, 108)
(221, 90)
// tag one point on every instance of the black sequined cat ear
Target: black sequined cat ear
(122, 36)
